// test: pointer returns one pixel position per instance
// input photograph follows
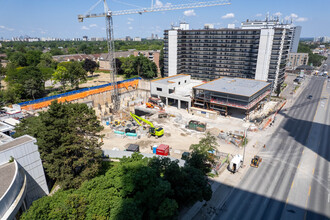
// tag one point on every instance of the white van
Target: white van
(235, 163)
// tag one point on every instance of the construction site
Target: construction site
(167, 115)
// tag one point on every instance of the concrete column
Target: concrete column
(179, 104)
(166, 101)
(189, 105)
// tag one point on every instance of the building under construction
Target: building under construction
(226, 93)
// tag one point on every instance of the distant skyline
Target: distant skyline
(59, 18)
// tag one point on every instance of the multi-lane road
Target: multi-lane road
(293, 181)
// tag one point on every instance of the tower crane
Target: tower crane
(110, 37)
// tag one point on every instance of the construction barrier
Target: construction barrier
(78, 94)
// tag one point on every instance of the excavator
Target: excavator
(157, 132)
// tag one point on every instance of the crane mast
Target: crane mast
(110, 37)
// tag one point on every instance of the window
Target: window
(159, 89)
(185, 81)
(179, 83)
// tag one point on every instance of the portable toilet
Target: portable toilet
(163, 150)
(154, 149)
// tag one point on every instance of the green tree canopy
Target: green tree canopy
(200, 157)
(314, 59)
(90, 66)
(137, 65)
(134, 188)
(28, 81)
(18, 59)
(61, 75)
(68, 140)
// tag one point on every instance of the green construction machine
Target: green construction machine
(157, 132)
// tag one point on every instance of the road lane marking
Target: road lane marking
(309, 191)
(313, 170)
(287, 199)
(303, 151)
(298, 165)
(292, 184)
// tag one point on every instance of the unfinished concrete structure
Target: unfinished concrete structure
(174, 90)
(225, 93)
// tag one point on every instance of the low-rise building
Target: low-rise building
(152, 55)
(21, 173)
(227, 93)
(296, 59)
(174, 90)
(104, 59)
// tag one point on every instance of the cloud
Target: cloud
(295, 18)
(93, 25)
(6, 28)
(159, 4)
(278, 14)
(301, 19)
(84, 28)
(229, 15)
(294, 15)
(131, 28)
(258, 15)
(189, 13)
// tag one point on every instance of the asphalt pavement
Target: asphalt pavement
(292, 182)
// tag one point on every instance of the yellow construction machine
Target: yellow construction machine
(256, 161)
(157, 132)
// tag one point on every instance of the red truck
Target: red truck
(163, 150)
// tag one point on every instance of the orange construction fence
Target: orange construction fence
(81, 95)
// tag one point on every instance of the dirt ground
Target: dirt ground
(99, 79)
(176, 135)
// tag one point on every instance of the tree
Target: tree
(77, 74)
(2, 74)
(128, 66)
(18, 59)
(90, 66)
(28, 81)
(134, 188)
(61, 75)
(68, 140)
(56, 51)
(314, 59)
(33, 57)
(200, 157)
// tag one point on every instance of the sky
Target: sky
(58, 18)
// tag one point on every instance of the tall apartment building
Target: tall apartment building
(258, 50)
(296, 31)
